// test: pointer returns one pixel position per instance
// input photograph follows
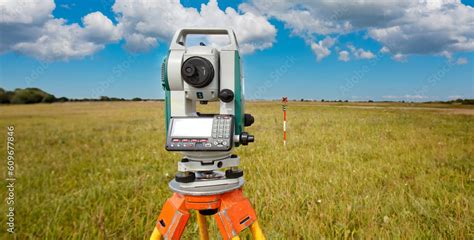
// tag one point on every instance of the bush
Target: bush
(5, 96)
(26, 96)
(62, 99)
(31, 95)
(49, 99)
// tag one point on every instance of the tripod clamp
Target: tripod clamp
(187, 165)
(232, 212)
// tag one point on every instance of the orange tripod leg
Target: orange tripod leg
(173, 217)
(235, 214)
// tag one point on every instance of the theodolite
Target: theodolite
(194, 75)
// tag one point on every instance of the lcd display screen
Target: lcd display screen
(192, 127)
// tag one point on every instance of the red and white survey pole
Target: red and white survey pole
(284, 102)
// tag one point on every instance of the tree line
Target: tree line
(36, 95)
(454, 101)
(26, 95)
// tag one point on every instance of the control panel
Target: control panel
(202, 133)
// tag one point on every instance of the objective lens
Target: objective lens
(197, 72)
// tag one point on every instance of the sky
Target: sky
(358, 50)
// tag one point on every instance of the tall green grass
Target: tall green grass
(99, 170)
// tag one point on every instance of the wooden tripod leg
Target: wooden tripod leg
(257, 232)
(202, 223)
(156, 235)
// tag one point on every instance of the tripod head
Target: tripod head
(193, 74)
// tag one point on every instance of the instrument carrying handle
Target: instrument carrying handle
(179, 38)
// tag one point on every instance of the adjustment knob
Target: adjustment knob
(226, 95)
(245, 138)
(248, 120)
(234, 173)
(185, 177)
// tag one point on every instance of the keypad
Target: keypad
(221, 129)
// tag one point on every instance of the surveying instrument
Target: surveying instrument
(192, 74)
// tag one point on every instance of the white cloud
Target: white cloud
(363, 54)
(462, 61)
(399, 57)
(361, 97)
(406, 97)
(403, 27)
(344, 56)
(25, 11)
(99, 28)
(57, 41)
(28, 27)
(360, 53)
(454, 97)
(68, 6)
(384, 50)
(136, 42)
(321, 48)
(22, 20)
(428, 28)
(146, 23)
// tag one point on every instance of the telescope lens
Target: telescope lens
(197, 72)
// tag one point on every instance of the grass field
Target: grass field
(99, 170)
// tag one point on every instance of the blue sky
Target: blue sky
(290, 67)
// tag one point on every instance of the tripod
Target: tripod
(231, 210)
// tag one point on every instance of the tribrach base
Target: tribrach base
(233, 214)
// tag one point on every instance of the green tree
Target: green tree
(5, 96)
(62, 99)
(49, 99)
(31, 95)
